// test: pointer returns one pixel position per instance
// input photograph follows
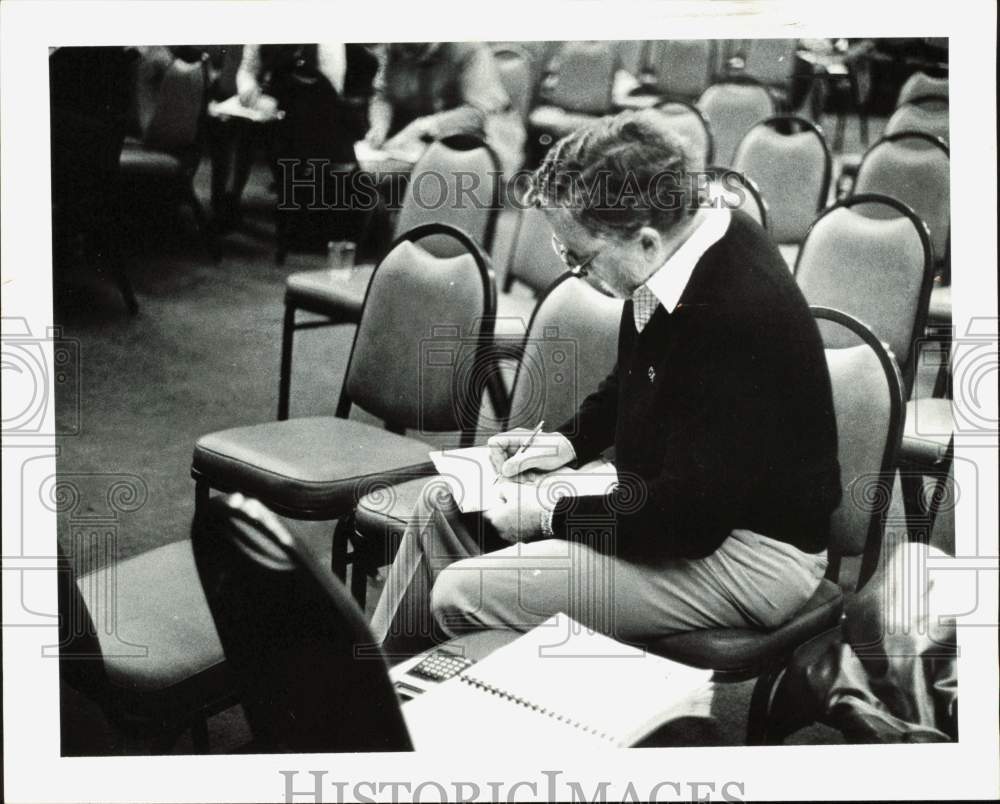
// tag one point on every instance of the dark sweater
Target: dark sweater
(736, 429)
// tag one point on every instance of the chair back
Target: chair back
(732, 109)
(421, 348)
(532, 259)
(180, 104)
(914, 168)
(456, 181)
(792, 171)
(925, 114)
(736, 190)
(309, 673)
(570, 347)
(921, 84)
(683, 68)
(514, 66)
(870, 257)
(580, 77)
(869, 408)
(770, 61)
(689, 125)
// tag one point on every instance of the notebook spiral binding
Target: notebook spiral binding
(576, 724)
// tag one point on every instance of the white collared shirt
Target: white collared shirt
(667, 283)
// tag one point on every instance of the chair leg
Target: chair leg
(918, 526)
(942, 382)
(341, 537)
(201, 221)
(201, 495)
(757, 731)
(285, 375)
(359, 580)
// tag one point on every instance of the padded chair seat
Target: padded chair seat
(137, 159)
(746, 649)
(159, 605)
(313, 464)
(928, 430)
(326, 290)
(939, 311)
(558, 121)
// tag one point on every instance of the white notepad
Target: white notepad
(470, 477)
(559, 684)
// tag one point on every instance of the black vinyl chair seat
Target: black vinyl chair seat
(159, 605)
(314, 463)
(927, 431)
(735, 650)
(324, 290)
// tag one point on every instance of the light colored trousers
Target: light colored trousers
(447, 574)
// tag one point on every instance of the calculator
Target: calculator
(441, 665)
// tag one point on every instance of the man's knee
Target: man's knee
(456, 594)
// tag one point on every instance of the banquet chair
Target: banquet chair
(171, 145)
(769, 61)
(914, 168)
(880, 269)
(307, 671)
(791, 164)
(575, 90)
(678, 69)
(338, 298)
(928, 114)
(137, 638)
(570, 346)
(455, 158)
(920, 83)
(871, 257)
(868, 404)
(419, 360)
(733, 107)
(923, 107)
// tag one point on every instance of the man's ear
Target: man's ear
(651, 242)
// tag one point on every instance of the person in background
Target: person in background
(324, 91)
(431, 90)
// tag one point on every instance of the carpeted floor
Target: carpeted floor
(202, 355)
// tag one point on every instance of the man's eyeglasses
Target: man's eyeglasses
(577, 269)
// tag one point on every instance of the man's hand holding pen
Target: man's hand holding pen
(513, 454)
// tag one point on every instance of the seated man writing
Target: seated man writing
(719, 412)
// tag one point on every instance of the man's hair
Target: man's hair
(617, 175)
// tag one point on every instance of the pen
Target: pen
(523, 446)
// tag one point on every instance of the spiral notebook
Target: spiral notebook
(558, 684)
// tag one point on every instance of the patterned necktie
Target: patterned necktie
(644, 304)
